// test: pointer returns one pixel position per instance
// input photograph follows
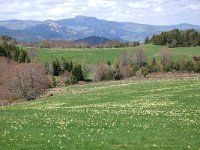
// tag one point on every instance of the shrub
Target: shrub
(197, 67)
(77, 73)
(145, 71)
(135, 69)
(117, 74)
(56, 67)
(126, 71)
(100, 72)
(26, 81)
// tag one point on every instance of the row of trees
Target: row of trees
(66, 68)
(12, 51)
(71, 44)
(176, 38)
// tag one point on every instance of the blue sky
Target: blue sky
(156, 12)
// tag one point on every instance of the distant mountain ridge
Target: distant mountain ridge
(82, 27)
(93, 40)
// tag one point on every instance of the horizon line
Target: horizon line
(99, 19)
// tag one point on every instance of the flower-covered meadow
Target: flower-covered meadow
(155, 114)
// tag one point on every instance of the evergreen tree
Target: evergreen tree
(154, 61)
(176, 38)
(147, 40)
(77, 73)
(71, 66)
(56, 68)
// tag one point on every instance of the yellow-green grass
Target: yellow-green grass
(94, 56)
(162, 114)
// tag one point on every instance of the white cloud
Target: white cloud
(139, 5)
(158, 9)
(144, 11)
(193, 7)
(101, 3)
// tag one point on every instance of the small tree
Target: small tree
(56, 67)
(165, 56)
(154, 61)
(141, 58)
(117, 74)
(77, 73)
(100, 72)
(127, 58)
(147, 40)
(32, 53)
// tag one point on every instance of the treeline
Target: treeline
(176, 38)
(71, 72)
(131, 63)
(9, 49)
(71, 44)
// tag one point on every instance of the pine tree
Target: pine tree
(154, 61)
(56, 68)
(77, 73)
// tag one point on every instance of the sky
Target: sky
(155, 12)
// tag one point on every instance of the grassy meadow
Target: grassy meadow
(148, 114)
(94, 56)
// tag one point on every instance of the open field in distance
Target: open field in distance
(94, 56)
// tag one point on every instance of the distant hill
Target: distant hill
(19, 24)
(81, 27)
(93, 40)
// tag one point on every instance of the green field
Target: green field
(94, 56)
(149, 114)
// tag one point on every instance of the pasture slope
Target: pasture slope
(94, 56)
(148, 114)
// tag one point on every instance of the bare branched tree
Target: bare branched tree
(165, 56)
(140, 57)
(32, 53)
(100, 72)
(127, 58)
(25, 80)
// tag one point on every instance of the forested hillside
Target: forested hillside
(177, 38)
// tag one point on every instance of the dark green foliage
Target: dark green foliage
(197, 67)
(154, 61)
(77, 73)
(5, 38)
(71, 65)
(189, 66)
(167, 68)
(109, 63)
(145, 71)
(177, 38)
(117, 74)
(147, 40)
(56, 68)
(13, 52)
(108, 75)
(135, 69)
(23, 57)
